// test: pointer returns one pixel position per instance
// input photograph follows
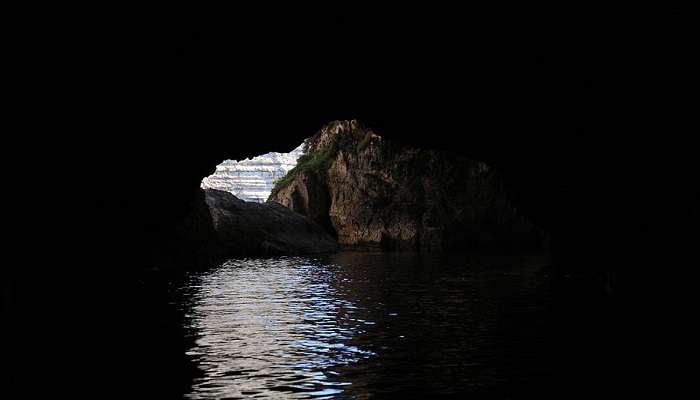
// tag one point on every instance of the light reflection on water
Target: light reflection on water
(272, 325)
(359, 325)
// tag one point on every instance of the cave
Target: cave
(568, 120)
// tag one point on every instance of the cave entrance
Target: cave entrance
(255, 179)
(252, 179)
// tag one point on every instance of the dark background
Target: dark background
(584, 111)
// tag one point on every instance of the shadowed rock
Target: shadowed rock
(370, 191)
(247, 228)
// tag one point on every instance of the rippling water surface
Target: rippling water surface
(360, 325)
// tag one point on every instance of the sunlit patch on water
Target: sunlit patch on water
(363, 324)
(272, 326)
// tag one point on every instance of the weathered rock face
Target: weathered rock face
(384, 194)
(308, 195)
(252, 179)
(227, 226)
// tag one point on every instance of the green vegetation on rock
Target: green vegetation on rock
(317, 162)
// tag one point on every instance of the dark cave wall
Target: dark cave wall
(587, 129)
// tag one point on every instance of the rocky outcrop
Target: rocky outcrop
(378, 193)
(252, 179)
(225, 226)
(251, 228)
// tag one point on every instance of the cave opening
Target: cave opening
(252, 179)
(352, 188)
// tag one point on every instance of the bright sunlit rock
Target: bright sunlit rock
(252, 179)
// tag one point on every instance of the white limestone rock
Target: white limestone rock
(252, 179)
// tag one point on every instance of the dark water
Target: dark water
(361, 325)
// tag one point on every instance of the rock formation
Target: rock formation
(252, 179)
(234, 227)
(369, 191)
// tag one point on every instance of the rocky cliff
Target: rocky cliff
(370, 191)
(252, 179)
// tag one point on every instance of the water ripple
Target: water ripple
(360, 325)
(271, 326)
